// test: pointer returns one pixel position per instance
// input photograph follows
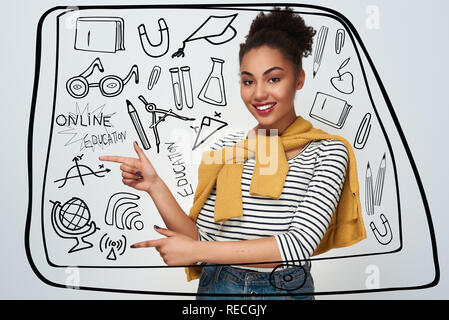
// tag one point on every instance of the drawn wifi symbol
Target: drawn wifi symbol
(119, 212)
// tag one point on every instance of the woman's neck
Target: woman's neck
(285, 122)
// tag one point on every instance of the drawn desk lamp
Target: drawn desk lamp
(110, 86)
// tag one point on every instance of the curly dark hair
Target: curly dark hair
(283, 30)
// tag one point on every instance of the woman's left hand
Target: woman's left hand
(176, 249)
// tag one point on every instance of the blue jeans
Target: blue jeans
(225, 282)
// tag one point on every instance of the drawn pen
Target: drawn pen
(138, 125)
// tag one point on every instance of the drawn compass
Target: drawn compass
(157, 119)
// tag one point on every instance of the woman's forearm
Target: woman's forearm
(173, 215)
(252, 252)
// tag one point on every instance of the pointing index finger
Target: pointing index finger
(147, 244)
(139, 151)
(118, 159)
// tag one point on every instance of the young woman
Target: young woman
(253, 232)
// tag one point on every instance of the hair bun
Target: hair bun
(287, 22)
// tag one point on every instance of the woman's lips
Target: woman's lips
(264, 108)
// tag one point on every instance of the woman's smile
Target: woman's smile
(264, 108)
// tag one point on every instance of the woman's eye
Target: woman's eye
(274, 80)
(247, 82)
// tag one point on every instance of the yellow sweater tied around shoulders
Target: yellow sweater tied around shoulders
(224, 168)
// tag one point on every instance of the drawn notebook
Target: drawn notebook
(99, 34)
(330, 110)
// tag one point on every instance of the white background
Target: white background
(409, 50)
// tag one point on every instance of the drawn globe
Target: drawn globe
(74, 214)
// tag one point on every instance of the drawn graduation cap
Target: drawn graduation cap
(215, 30)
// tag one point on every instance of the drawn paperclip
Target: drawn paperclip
(110, 86)
(363, 132)
(157, 49)
(383, 238)
(154, 77)
(339, 40)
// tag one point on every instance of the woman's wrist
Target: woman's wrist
(154, 185)
(200, 251)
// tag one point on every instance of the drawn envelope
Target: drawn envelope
(99, 34)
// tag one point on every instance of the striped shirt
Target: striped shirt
(300, 217)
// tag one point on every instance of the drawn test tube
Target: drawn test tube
(187, 86)
(176, 86)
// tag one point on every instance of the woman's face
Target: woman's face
(268, 86)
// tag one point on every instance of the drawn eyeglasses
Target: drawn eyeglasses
(110, 86)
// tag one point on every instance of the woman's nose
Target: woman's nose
(260, 93)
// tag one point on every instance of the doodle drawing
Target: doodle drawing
(110, 86)
(100, 34)
(339, 40)
(213, 90)
(155, 50)
(154, 77)
(385, 237)
(378, 190)
(216, 30)
(113, 246)
(118, 212)
(78, 168)
(137, 125)
(72, 220)
(330, 110)
(186, 94)
(208, 127)
(369, 197)
(151, 108)
(344, 82)
(363, 132)
(319, 49)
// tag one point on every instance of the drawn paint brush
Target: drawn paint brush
(378, 190)
(138, 125)
(369, 197)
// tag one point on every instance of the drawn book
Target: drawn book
(99, 34)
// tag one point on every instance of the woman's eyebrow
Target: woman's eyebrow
(272, 69)
(265, 73)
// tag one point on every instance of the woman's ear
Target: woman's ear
(300, 79)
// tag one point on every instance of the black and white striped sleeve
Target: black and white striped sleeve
(314, 212)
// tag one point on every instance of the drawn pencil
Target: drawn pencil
(378, 190)
(369, 198)
(319, 49)
(138, 125)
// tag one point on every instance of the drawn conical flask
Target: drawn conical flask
(213, 90)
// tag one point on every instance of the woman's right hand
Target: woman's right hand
(137, 173)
